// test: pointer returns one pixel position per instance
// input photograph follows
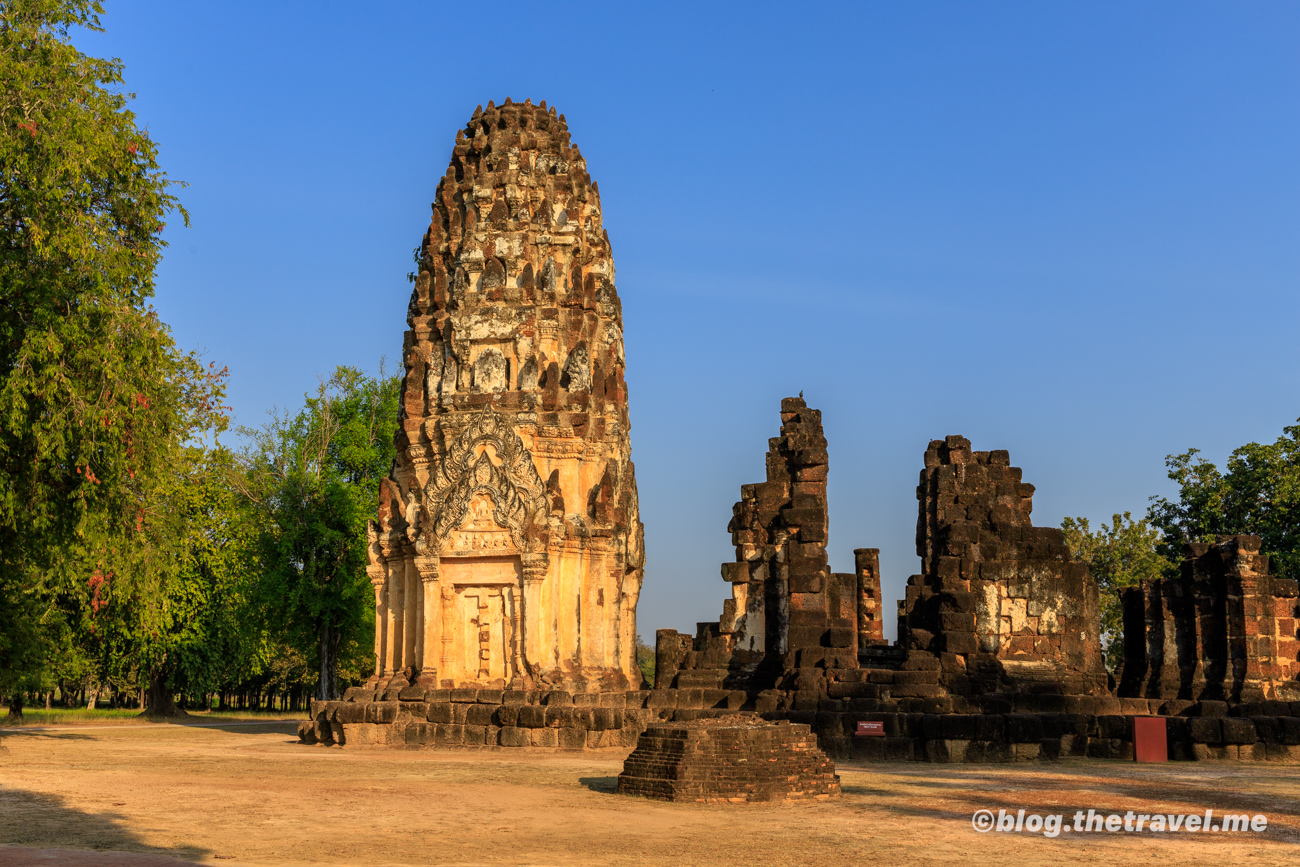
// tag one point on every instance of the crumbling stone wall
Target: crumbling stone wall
(999, 607)
(1222, 629)
(789, 618)
(1000, 602)
(507, 549)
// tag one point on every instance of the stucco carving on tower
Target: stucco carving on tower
(508, 544)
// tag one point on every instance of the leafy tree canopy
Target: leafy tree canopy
(313, 478)
(95, 397)
(1259, 494)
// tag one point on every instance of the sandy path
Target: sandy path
(251, 795)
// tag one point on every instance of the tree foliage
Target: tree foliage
(134, 549)
(645, 660)
(313, 478)
(1120, 556)
(184, 622)
(96, 400)
(1259, 494)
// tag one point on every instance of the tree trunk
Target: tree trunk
(92, 697)
(158, 699)
(15, 707)
(327, 688)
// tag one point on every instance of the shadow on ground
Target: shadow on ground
(236, 727)
(40, 821)
(5, 734)
(1060, 789)
(604, 785)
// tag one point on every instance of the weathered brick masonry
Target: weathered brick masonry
(419, 717)
(1024, 728)
(999, 658)
(1223, 629)
(1000, 602)
(790, 619)
(1000, 608)
(731, 759)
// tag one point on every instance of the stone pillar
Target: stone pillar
(396, 614)
(381, 617)
(516, 637)
(871, 620)
(535, 567)
(1248, 626)
(448, 625)
(430, 633)
(411, 604)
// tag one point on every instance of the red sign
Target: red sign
(1150, 739)
(871, 729)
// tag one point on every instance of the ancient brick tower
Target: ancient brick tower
(508, 546)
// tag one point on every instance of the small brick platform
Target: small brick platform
(732, 759)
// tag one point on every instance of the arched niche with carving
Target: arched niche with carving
(488, 461)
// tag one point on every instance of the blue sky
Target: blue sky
(1070, 230)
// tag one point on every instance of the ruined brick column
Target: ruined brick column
(871, 622)
(789, 618)
(513, 467)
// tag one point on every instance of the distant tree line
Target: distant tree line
(142, 559)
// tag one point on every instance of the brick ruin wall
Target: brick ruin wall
(1020, 728)
(1000, 602)
(1222, 629)
(871, 610)
(1000, 606)
(999, 656)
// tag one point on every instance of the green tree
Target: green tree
(645, 660)
(95, 397)
(1120, 556)
(183, 621)
(314, 479)
(1259, 494)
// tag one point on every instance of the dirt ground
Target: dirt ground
(233, 794)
